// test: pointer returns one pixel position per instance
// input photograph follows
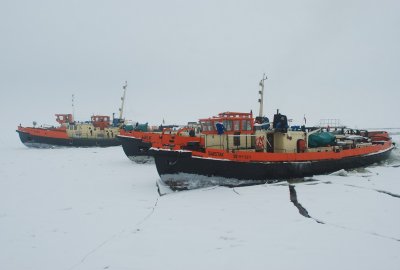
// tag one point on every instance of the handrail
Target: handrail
(182, 130)
(247, 135)
(164, 130)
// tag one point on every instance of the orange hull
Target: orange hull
(247, 156)
(49, 137)
(59, 133)
(138, 143)
(182, 169)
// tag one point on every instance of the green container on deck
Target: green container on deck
(128, 127)
(321, 139)
(142, 127)
(137, 127)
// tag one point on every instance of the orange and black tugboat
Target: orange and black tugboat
(240, 150)
(100, 131)
(137, 140)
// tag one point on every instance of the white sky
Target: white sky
(186, 60)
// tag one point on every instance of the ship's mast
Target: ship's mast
(73, 108)
(261, 92)
(123, 100)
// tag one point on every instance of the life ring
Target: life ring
(260, 142)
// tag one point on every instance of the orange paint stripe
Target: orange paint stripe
(246, 156)
(59, 133)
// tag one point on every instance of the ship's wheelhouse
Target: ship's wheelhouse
(64, 118)
(100, 121)
(228, 123)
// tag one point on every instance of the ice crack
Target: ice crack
(95, 249)
(149, 214)
(234, 190)
(377, 190)
(388, 193)
(108, 240)
(302, 210)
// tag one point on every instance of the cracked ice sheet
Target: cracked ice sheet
(58, 205)
(95, 209)
(256, 228)
(353, 203)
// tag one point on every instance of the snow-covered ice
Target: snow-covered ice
(93, 208)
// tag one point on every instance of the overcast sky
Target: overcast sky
(185, 60)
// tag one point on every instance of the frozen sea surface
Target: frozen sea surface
(95, 209)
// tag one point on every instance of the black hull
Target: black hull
(47, 142)
(135, 149)
(180, 170)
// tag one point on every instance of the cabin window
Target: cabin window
(246, 125)
(207, 126)
(228, 125)
(210, 126)
(203, 128)
(236, 125)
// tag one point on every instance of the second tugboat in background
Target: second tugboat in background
(100, 131)
(240, 150)
(138, 139)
